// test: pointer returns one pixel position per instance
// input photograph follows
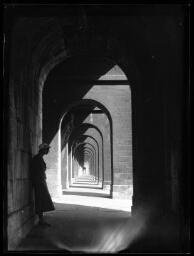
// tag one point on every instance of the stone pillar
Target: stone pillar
(53, 162)
(122, 143)
(67, 173)
(70, 167)
(107, 157)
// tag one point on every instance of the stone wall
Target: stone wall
(24, 138)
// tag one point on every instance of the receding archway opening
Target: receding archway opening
(86, 153)
(89, 79)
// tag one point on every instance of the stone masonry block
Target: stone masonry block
(26, 139)
(17, 218)
(20, 114)
(10, 198)
(125, 142)
(20, 135)
(26, 165)
(19, 95)
(122, 191)
(22, 167)
(32, 140)
(124, 148)
(123, 113)
(39, 126)
(125, 170)
(122, 165)
(121, 188)
(34, 121)
(123, 159)
(122, 127)
(19, 224)
(21, 195)
(122, 178)
(31, 119)
(12, 144)
(18, 166)
(121, 151)
(18, 195)
(13, 223)
(11, 164)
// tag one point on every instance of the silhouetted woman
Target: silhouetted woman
(43, 202)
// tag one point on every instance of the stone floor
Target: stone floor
(86, 220)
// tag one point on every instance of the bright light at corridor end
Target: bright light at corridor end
(86, 165)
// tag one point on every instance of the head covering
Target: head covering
(43, 146)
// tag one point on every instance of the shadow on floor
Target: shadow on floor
(83, 229)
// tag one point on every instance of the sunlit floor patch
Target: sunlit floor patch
(97, 202)
(90, 194)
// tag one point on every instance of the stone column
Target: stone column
(67, 175)
(53, 162)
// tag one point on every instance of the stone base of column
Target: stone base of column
(122, 191)
(99, 183)
(106, 185)
(66, 184)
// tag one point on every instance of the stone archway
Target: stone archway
(66, 155)
(111, 91)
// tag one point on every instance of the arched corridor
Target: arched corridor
(107, 89)
(102, 100)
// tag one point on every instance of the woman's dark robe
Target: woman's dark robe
(43, 202)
